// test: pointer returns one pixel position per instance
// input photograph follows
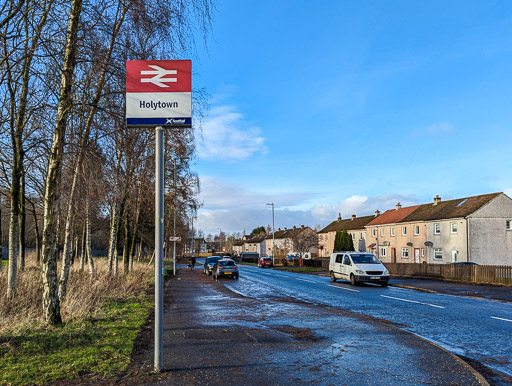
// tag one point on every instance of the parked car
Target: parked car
(209, 262)
(358, 267)
(265, 262)
(225, 267)
(465, 263)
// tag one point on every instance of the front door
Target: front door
(393, 255)
(455, 255)
(416, 255)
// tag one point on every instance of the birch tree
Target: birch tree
(51, 303)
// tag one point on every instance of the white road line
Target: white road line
(309, 281)
(412, 301)
(506, 320)
(434, 305)
(403, 300)
(343, 288)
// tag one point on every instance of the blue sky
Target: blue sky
(331, 107)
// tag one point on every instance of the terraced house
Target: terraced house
(472, 229)
(355, 226)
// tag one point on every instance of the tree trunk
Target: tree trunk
(51, 303)
(89, 239)
(37, 235)
(22, 223)
(126, 248)
(82, 252)
(112, 243)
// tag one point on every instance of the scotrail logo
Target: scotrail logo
(176, 121)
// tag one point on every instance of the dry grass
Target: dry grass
(85, 295)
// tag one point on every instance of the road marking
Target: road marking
(411, 301)
(309, 281)
(506, 320)
(343, 288)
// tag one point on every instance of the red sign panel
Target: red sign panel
(149, 76)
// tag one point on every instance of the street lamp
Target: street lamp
(273, 233)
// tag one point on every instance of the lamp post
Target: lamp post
(273, 233)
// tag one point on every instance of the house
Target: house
(392, 241)
(355, 226)
(472, 229)
(297, 241)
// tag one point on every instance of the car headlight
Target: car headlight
(386, 272)
(359, 272)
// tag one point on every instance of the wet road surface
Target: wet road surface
(474, 328)
(215, 336)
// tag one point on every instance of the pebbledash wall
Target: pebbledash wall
(490, 242)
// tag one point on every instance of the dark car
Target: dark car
(209, 262)
(265, 262)
(465, 263)
(225, 267)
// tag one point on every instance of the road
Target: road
(473, 328)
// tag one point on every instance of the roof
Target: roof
(348, 224)
(458, 208)
(392, 216)
(288, 232)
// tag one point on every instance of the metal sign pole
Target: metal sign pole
(159, 239)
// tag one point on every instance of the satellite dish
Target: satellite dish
(409, 244)
(429, 243)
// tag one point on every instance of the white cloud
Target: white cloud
(226, 136)
(234, 209)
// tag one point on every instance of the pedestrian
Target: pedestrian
(192, 262)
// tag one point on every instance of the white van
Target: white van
(358, 267)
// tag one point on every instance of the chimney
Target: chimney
(398, 206)
(279, 229)
(377, 213)
(294, 227)
(339, 216)
(353, 217)
(437, 199)
(285, 228)
(302, 226)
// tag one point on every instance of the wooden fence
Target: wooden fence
(495, 274)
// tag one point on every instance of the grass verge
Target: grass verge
(99, 347)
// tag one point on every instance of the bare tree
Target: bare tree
(304, 240)
(51, 303)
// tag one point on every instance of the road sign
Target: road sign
(158, 93)
(177, 239)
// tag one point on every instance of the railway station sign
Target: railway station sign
(159, 93)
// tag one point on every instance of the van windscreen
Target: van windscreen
(364, 258)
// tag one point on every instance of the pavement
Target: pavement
(213, 336)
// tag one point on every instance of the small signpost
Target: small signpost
(158, 94)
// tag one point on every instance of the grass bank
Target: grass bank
(102, 317)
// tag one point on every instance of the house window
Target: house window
(416, 230)
(383, 251)
(438, 254)
(453, 227)
(422, 252)
(509, 225)
(405, 253)
(392, 231)
(404, 231)
(374, 232)
(437, 229)
(383, 231)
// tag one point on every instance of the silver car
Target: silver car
(225, 267)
